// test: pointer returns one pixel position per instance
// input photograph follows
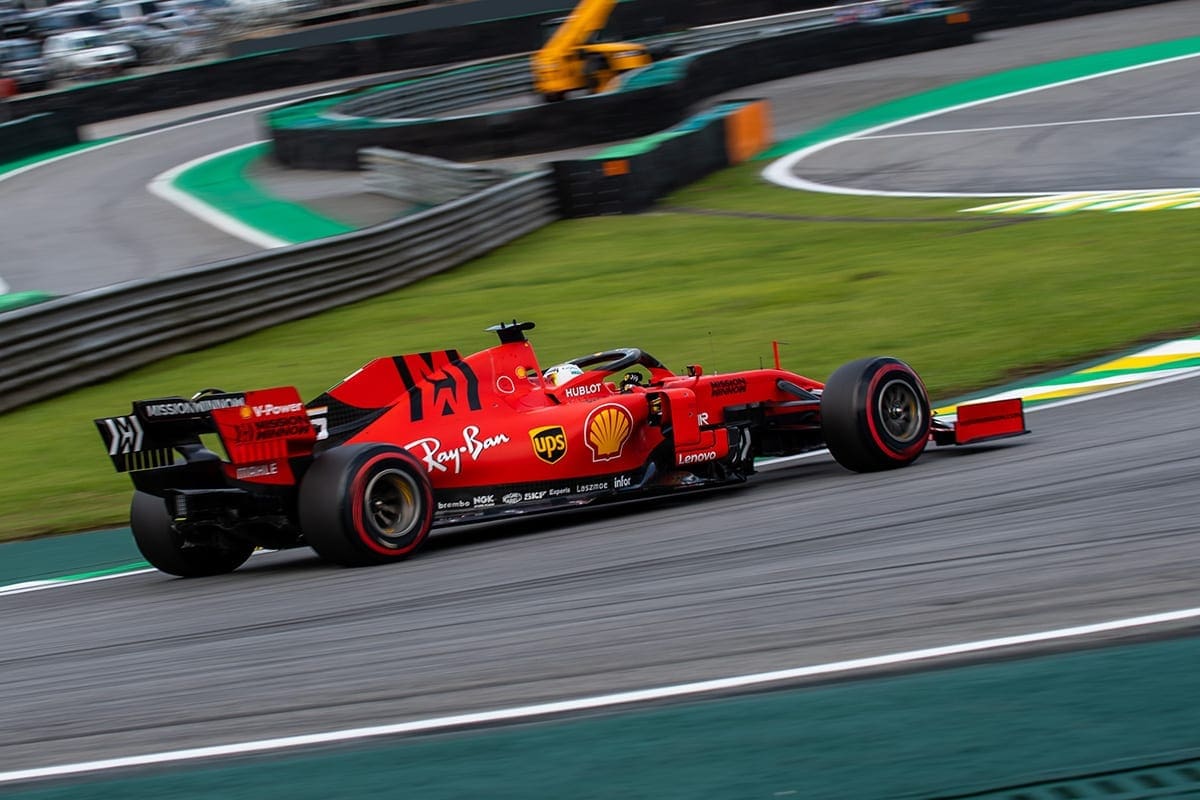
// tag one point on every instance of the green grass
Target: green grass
(969, 300)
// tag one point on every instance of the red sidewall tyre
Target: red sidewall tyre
(366, 504)
(875, 414)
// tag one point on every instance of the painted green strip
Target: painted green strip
(935, 733)
(660, 73)
(221, 182)
(15, 300)
(995, 85)
(69, 557)
(1076, 377)
(100, 573)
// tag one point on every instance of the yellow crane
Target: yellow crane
(572, 58)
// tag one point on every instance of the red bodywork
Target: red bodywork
(491, 433)
(495, 439)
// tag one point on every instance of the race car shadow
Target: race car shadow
(968, 450)
(449, 539)
(456, 536)
(446, 540)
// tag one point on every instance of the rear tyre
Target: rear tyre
(166, 550)
(366, 504)
(875, 414)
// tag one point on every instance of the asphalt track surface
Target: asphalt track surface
(89, 221)
(1130, 130)
(1091, 518)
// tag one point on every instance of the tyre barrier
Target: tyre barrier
(73, 341)
(30, 136)
(649, 102)
(630, 178)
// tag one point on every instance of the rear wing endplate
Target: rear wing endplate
(146, 438)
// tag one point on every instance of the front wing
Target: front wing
(981, 422)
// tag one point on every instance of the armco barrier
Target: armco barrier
(423, 180)
(71, 342)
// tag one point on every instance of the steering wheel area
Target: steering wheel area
(611, 360)
(621, 358)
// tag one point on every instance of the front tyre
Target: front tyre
(366, 504)
(167, 551)
(875, 414)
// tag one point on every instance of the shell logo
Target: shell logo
(245, 412)
(608, 429)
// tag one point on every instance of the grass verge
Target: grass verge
(712, 276)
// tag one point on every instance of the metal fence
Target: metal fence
(423, 179)
(447, 91)
(89, 337)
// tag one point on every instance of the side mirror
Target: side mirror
(694, 370)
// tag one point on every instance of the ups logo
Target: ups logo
(549, 443)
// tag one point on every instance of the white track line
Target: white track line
(603, 701)
(177, 198)
(37, 586)
(780, 171)
(1025, 126)
(163, 185)
(644, 695)
(765, 465)
(594, 702)
(135, 136)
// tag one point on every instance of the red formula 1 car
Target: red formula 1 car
(409, 442)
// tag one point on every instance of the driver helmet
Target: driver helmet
(561, 373)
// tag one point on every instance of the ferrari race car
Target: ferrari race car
(364, 471)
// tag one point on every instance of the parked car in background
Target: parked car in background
(129, 11)
(197, 35)
(21, 61)
(152, 44)
(14, 23)
(74, 15)
(86, 53)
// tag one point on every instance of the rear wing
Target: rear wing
(260, 427)
(982, 422)
(146, 438)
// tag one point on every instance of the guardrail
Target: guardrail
(70, 342)
(423, 179)
(448, 90)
